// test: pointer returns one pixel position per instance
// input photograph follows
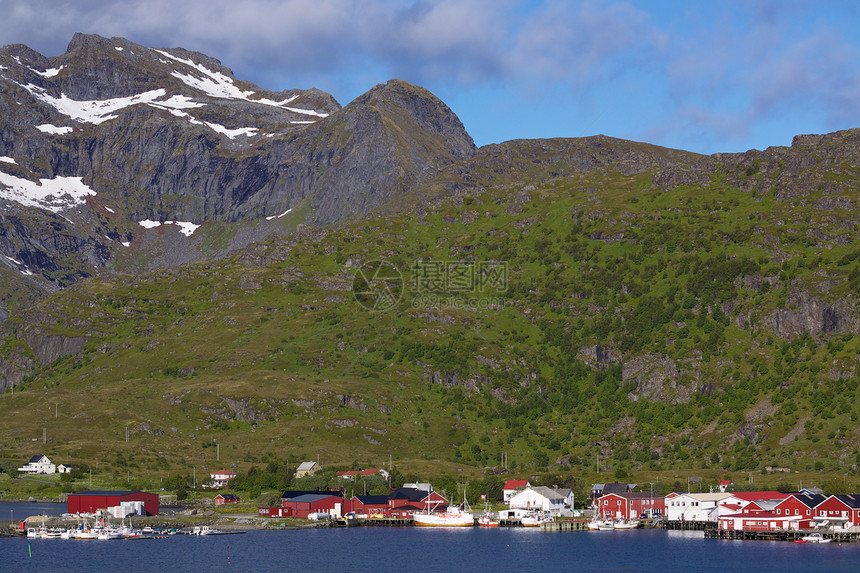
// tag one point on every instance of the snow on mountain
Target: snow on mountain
(217, 85)
(54, 130)
(94, 111)
(54, 195)
(185, 227)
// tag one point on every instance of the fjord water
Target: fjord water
(418, 549)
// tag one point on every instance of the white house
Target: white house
(512, 486)
(221, 478)
(38, 465)
(64, 469)
(539, 498)
(699, 507)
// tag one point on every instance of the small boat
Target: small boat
(486, 520)
(813, 538)
(628, 524)
(206, 530)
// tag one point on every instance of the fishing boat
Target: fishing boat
(452, 517)
(625, 524)
(487, 520)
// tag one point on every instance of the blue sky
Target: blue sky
(710, 77)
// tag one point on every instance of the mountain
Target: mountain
(370, 284)
(111, 140)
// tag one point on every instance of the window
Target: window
(779, 512)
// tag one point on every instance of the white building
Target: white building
(38, 465)
(700, 507)
(539, 498)
(221, 478)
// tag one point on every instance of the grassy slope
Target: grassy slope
(600, 258)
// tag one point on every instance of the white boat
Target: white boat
(622, 524)
(453, 517)
(487, 520)
(530, 521)
(814, 538)
(108, 534)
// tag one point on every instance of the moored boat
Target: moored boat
(453, 517)
(486, 520)
(813, 538)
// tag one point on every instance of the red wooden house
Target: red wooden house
(223, 498)
(630, 505)
(371, 505)
(303, 505)
(419, 498)
(797, 504)
(838, 511)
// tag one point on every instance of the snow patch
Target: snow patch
(5, 159)
(279, 216)
(185, 227)
(49, 73)
(109, 210)
(306, 111)
(125, 243)
(96, 111)
(53, 195)
(118, 48)
(54, 130)
(218, 85)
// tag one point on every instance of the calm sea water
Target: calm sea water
(412, 549)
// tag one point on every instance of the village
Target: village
(808, 514)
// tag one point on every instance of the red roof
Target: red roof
(726, 482)
(515, 483)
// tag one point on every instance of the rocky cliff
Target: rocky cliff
(103, 144)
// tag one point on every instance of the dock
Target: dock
(567, 525)
(779, 535)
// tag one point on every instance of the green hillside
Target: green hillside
(554, 310)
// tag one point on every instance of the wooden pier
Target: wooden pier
(385, 522)
(568, 525)
(779, 535)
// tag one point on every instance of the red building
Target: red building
(303, 505)
(371, 505)
(838, 510)
(92, 501)
(799, 505)
(630, 505)
(223, 498)
(420, 498)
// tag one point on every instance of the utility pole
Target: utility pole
(217, 452)
(126, 432)
(44, 435)
(56, 411)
